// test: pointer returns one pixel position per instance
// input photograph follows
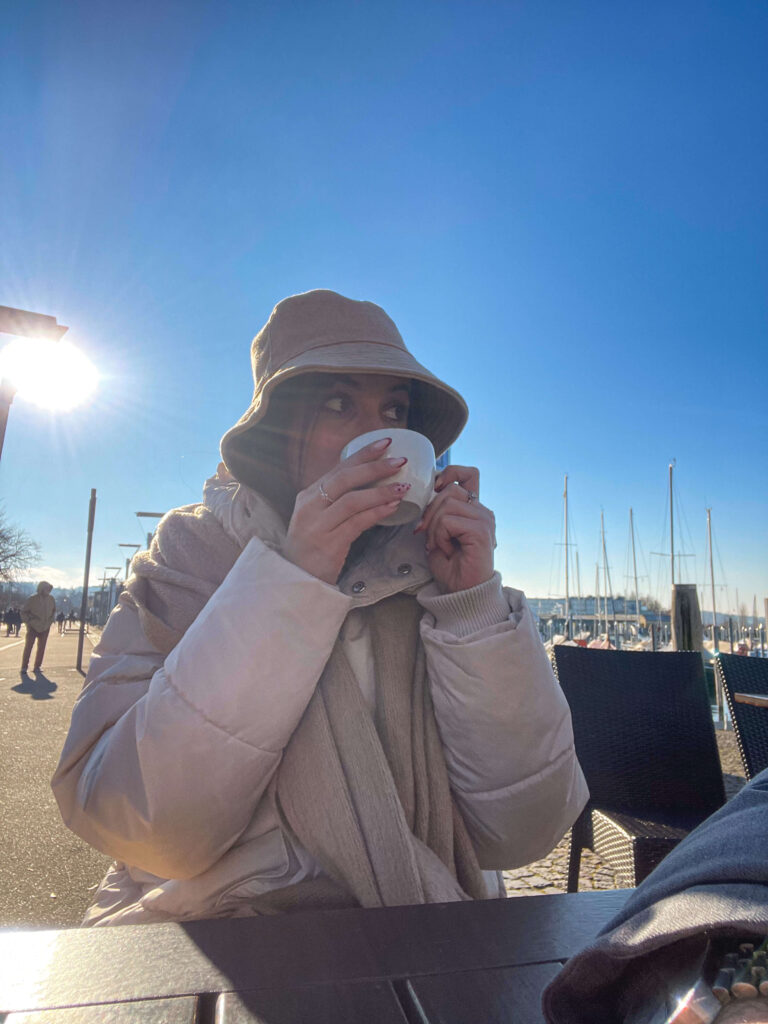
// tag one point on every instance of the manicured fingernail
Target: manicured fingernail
(419, 525)
(381, 444)
(396, 462)
(401, 488)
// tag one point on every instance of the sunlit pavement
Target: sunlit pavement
(47, 874)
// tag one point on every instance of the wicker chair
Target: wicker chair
(739, 674)
(645, 739)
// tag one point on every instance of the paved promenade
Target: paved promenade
(47, 874)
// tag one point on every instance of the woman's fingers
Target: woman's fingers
(452, 493)
(319, 535)
(332, 512)
(458, 521)
(353, 474)
(354, 502)
(460, 533)
(359, 522)
(455, 529)
(467, 477)
(453, 480)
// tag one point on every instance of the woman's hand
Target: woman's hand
(460, 532)
(332, 513)
(747, 1011)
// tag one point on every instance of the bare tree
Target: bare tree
(18, 551)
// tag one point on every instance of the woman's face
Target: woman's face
(342, 408)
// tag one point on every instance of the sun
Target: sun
(51, 374)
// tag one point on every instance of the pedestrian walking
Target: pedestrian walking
(37, 614)
(61, 619)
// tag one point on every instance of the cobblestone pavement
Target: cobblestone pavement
(549, 875)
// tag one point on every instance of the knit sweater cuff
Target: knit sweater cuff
(467, 611)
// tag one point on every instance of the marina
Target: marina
(634, 622)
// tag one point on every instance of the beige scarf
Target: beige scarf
(369, 798)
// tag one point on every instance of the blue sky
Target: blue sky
(563, 207)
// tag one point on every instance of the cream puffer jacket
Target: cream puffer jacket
(170, 766)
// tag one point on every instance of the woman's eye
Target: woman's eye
(336, 403)
(397, 413)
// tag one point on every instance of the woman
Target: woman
(290, 708)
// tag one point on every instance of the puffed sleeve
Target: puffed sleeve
(504, 722)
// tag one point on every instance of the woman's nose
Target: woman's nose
(373, 421)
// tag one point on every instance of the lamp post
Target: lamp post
(84, 603)
(135, 548)
(110, 599)
(149, 515)
(23, 323)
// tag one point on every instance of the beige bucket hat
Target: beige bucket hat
(323, 332)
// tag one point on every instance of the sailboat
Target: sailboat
(602, 641)
(566, 638)
(640, 643)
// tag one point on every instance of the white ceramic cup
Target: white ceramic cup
(419, 471)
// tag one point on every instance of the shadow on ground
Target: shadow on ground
(37, 686)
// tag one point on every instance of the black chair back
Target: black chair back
(643, 732)
(740, 674)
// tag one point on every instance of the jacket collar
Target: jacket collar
(381, 570)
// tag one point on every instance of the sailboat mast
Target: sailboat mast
(634, 567)
(715, 645)
(712, 579)
(605, 571)
(597, 599)
(567, 595)
(609, 591)
(671, 525)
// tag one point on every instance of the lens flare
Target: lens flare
(51, 374)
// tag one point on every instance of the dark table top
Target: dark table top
(449, 963)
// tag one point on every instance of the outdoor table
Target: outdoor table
(470, 962)
(758, 700)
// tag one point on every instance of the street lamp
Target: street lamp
(149, 515)
(24, 324)
(128, 559)
(30, 325)
(110, 600)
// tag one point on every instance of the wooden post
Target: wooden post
(84, 602)
(686, 618)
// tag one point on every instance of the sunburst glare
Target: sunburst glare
(51, 374)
